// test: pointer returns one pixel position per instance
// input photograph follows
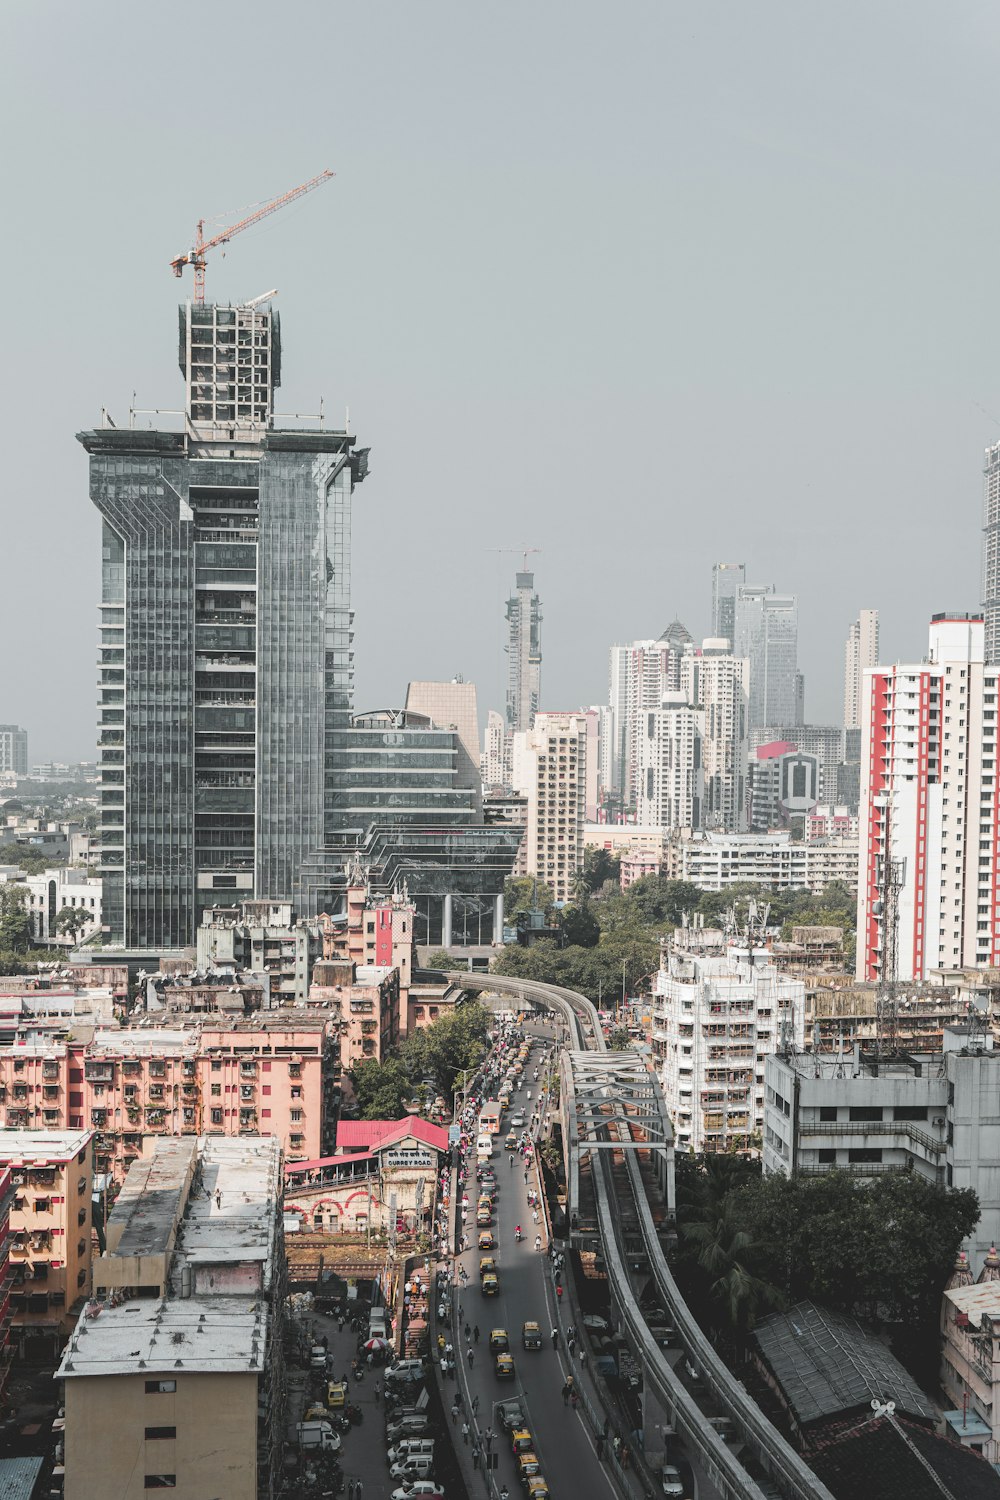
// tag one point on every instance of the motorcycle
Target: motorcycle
(354, 1415)
(518, 1236)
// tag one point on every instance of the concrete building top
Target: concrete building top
(205, 1208)
(134, 1040)
(372, 973)
(40, 1146)
(982, 1297)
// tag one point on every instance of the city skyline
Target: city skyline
(795, 342)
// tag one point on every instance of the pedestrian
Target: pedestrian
(325, 1342)
(358, 1490)
(570, 1342)
(599, 1445)
(565, 1393)
(469, 1356)
(468, 1328)
(475, 1457)
(559, 1291)
(605, 1429)
(377, 1391)
(475, 1403)
(555, 1338)
(475, 1334)
(465, 1433)
(350, 1489)
(454, 1414)
(488, 1438)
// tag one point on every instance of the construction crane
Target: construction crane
(196, 256)
(525, 551)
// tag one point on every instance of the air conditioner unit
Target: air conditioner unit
(939, 1121)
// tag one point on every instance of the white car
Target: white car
(518, 1122)
(672, 1483)
(419, 1489)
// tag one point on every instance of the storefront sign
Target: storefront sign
(415, 1156)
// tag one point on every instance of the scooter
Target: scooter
(518, 1236)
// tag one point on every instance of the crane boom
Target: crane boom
(196, 255)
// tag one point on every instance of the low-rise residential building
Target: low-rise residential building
(635, 865)
(6, 1285)
(620, 838)
(365, 1001)
(716, 1019)
(713, 861)
(937, 1115)
(263, 936)
(52, 1179)
(970, 1356)
(173, 1377)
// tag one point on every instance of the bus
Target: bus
(489, 1118)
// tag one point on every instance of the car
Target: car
(521, 1441)
(487, 1240)
(673, 1485)
(536, 1488)
(336, 1393)
(504, 1367)
(317, 1357)
(484, 1218)
(528, 1467)
(518, 1122)
(487, 1266)
(414, 1425)
(510, 1415)
(499, 1342)
(490, 1284)
(510, 1144)
(419, 1489)
(531, 1335)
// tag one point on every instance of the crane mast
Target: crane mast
(195, 257)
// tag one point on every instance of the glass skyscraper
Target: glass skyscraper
(766, 629)
(226, 664)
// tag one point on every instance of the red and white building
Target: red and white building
(929, 799)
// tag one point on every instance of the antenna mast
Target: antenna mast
(891, 877)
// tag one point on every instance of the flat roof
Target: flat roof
(981, 1297)
(229, 1221)
(39, 1146)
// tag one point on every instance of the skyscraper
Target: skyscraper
(671, 781)
(727, 580)
(640, 673)
(524, 653)
(550, 769)
(860, 653)
(14, 749)
(991, 553)
(766, 632)
(226, 661)
(717, 682)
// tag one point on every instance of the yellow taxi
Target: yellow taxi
(490, 1285)
(536, 1488)
(484, 1217)
(521, 1441)
(510, 1144)
(487, 1240)
(336, 1394)
(531, 1335)
(528, 1467)
(499, 1342)
(487, 1266)
(504, 1367)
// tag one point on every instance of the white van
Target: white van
(484, 1146)
(378, 1323)
(318, 1435)
(411, 1448)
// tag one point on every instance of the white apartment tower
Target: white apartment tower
(670, 787)
(991, 553)
(550, 769)
(860, 653)
(640, 673)
(929, 799)
(524, 653)
(716, 1018)
(718, 683)
(496, 755)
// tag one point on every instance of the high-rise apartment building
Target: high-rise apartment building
(550, 769)
(226, 660)
(524, 653)
(727, 581)
(717, 682)
(639, 675)
(766, 632)
(860, 653)
(671, 782)
(14, 749)
(991, 553)
(496, 751)
(930, 804)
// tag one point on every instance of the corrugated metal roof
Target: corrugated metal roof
(18, 1477)
(827, 1364)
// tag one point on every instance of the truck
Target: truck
(317, 1435)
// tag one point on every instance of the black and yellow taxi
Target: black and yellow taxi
(499, 1342)
(504, 1367)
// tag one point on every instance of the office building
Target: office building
(452, 705)
(524, 653)
(54, 891)
(550, 770)
(727, 581)
(716, 1018)
(784, 786)
(717, 684)
(174, 1378)
(226, 658)
(826, 742)
(671, 780)
(766, 633)
(860, 653)
(929, 804)
(991, 555)
(13, 749)
(52, 1178)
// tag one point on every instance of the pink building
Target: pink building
(366, 1001)
(635, 864)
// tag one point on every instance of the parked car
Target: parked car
(414, 1424)
(419, 1489)
(510, 1415)
(531, 1335)
(672, 1483)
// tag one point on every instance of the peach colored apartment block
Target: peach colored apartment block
(52, 1176)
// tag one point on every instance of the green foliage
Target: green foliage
(15, 924)
(880, 1249)
(440, 1052)
(599, 868)
(24, 963)
(594, 972)
(31, 861)
(71, 920)
(579, 925)
(521, 894)
(439, 959)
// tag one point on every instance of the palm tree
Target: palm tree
(726, 1252)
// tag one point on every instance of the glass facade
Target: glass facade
(767, 634)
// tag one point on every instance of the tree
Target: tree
(455, 1043)
(15, 923)
(579, 925)
(440, 959)
(522, 894)
(380, 1088)
(72, 920)
(728, 1254)
(599, 867)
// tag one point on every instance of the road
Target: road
(562, 1441)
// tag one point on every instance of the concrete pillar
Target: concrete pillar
(446, 921)
(498, 919)
(657, 1428)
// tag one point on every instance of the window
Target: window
(827, 1157)
(153, 1434)
(864, 1154)
(161, 1481)
(865, 1112)
(160, 1387)
(828, 1112)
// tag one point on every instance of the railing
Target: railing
(875, 1127)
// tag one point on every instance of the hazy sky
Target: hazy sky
(642, 285)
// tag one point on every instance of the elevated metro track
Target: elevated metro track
(788, 1472)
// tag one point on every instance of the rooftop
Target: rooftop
(982, 1297)
(42, 1146)
(827, 1365)
(898, 1460)
(363, 1135)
